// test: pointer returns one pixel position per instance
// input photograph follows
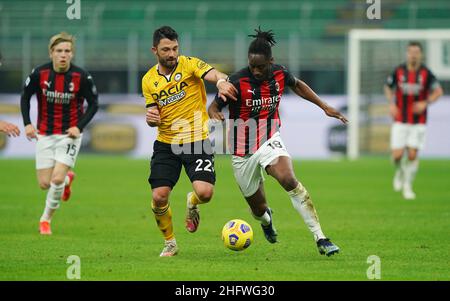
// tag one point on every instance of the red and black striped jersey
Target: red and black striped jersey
(255, 116)
(410, 87)
(60, 98)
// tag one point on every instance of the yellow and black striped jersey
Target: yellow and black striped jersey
(181, 100)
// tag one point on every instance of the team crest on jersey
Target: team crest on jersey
(201, 64)
(71, 86)
(277, 86)
(177, 77)
(156, 84)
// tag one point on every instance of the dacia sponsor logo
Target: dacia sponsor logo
(171, 95)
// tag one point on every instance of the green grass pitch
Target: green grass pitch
(109, 225)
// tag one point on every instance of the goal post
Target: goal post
(372, 56)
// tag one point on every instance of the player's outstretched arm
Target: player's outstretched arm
(225, 88)
(304, 91)
(214, 112)
(9, 129)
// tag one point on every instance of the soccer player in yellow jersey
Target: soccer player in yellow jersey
(176, 103)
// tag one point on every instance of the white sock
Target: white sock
(171, 241)
(264, 219)
(402, 166)
(66, 181)
(303, 204)
(398, 166)
(52, 203)
(410, 170)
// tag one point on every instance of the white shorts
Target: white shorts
(407, 135)
(248, 170)
(61, 148)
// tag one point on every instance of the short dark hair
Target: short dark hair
(415, 43)
(164, 32)
(262, 44)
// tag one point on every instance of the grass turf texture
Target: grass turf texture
(109, 225)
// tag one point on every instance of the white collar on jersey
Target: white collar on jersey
(168, 76)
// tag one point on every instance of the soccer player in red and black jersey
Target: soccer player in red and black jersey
(410, 89)
(61, 89)
(255, 139)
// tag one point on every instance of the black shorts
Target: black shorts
(197, 159)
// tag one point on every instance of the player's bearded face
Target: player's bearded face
(61, 55)
(167, 53)
(259, 66)
(414, 55)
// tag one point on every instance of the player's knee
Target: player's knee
(58, 180)
(44, 185)
(412, 156)
(205, 194)
(160, 198)
(397, 158)
(289, 183)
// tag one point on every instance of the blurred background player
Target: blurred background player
(60, 88)
(415, 88)
(176, 103)
(257, 144)
(8, 128)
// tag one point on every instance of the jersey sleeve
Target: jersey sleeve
(88, 87)
(391, 80)
(220, 101)
(288, 78)
(198, 67)
(30, 87)
(146, 92)
(31, 84)
(432, 82)
(89, 92)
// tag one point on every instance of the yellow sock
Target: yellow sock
(163, 216)
(193, 199)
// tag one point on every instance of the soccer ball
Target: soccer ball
(237, 235)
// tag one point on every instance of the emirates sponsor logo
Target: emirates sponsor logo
(263, 103)
(58, 97)
(411, 88)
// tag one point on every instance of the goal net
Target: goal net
(372, 56)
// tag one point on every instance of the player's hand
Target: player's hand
(394, 110)
(332, 112)
(216, 116)
(227, 90)
(419, 107)
(152, 117)
(73, 132)
(9, 128)
(30, 132)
